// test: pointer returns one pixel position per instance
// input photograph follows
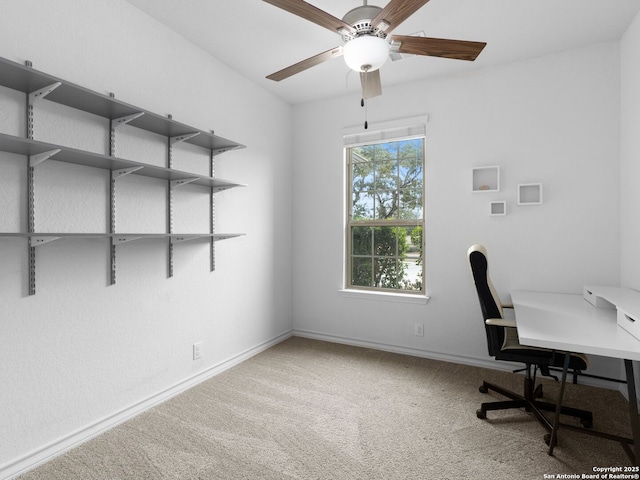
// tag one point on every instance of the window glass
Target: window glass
(386, 216)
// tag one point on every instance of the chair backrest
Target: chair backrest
(489, 300)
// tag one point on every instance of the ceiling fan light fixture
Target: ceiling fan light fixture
(366, 53)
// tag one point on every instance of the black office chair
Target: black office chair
(503, 344)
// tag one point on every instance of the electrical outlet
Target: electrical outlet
(418, 329)
(197, 350)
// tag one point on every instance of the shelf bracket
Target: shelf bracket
(183, 238)
(31, 196)
(32, 98)
(172, 184)
(182, 181)
(182, 138)
(37, 241)
(38, 158)
(125, 171)
(223, 237)
(118, 239)
(43, 92)
(115, 174)
(118, 122)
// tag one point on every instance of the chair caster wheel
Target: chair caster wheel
(483, 389)
(480, 414)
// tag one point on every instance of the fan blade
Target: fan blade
(396, 12)
(439, 47)
(313, 14)
(371, 85)
(304, 64)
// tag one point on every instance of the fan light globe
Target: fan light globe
(366, 53)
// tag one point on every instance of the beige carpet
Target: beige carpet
(306, 409)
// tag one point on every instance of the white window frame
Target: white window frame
(397, 130)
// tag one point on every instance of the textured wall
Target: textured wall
(81, 354)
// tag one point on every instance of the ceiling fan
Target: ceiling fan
(367, 44)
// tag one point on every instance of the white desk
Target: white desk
(568, 323)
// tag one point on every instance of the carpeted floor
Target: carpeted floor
(306, 409)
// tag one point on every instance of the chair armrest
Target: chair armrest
(500, 322)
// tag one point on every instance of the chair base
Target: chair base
(530, 403)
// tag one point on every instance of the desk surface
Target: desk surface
(569, 323)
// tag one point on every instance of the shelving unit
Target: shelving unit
(37, 151)
(530, 194)
(497, 208)
(36, 86)
(485, 179)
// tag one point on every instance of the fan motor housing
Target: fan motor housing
(360, 19)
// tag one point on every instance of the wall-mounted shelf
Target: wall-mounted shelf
(42, 238)
(485, 179)
(497, 208)
(28, 80)
(38, 85)
(31, 148)
(530, 194)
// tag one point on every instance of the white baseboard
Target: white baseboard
(445, 357)
(47, 452)
(385, 347)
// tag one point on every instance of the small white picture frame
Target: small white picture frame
(530, 194)
(485, 179)
(497, 209)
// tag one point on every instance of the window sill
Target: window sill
(384, 296)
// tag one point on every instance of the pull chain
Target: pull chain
(364, 90)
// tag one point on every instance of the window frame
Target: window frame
(382, 137)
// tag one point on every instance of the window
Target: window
(385, 215)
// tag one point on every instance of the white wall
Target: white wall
(81, 355)
(553, 120)
(630, 155)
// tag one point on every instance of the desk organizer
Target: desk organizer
(625, 301)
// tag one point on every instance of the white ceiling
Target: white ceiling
(256, 39)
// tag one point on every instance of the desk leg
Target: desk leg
(556, 418)
(633, 409)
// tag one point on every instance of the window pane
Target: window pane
(362, 174)
(361, 272)
(386, 150)
(385, 241)
(411, 204)
(411, 166)
(362, 181)
(386, 204)
(363, 206)
(361, 240)
(364, 153)
(387, 273)
(386, 175)
(413, 260)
